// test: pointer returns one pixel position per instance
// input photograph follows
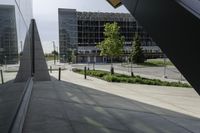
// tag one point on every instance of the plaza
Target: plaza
(39, 96)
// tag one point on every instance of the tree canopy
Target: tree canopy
(137, 55)
(113, 43)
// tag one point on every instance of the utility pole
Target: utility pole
(58, 54)
(54, 50)
(5, 62)
(21, 46)
(164, 75)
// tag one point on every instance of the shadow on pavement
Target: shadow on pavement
(10, 96)
(63, 107)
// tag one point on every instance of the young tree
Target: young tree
(131, 58)
(54, 52)
(69, 55)
(112, 45)
(137, 55)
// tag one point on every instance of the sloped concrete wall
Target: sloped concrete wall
(32, 62)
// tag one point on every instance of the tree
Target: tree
(73, 56)
(112, 45)
(54, 52)
(69, 55)
(137, 55)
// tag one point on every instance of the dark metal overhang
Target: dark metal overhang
(115, 3)
(175, 26)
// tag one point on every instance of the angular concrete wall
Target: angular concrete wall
(32, 62)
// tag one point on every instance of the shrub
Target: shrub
(128, 79)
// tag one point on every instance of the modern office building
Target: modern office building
(15, 18)
(82, 31)
(8, 35)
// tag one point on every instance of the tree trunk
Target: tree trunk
(132, 68)
(112, 68)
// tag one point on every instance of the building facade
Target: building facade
(8, 35)
(82, 31)
(15, 16)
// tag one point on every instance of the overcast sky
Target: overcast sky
(46, 15)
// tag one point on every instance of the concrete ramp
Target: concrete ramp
(32, 62)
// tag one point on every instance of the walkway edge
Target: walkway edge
(19, 118)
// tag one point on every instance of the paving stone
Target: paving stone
(87, 128)
(92, 115)
(147, 122)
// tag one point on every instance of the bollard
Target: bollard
(85, 72)
(112, 70)
(50, 69)
(2, 81)
(132, 75)
(59, 75)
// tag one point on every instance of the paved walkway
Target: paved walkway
(64, 107)
(76, 105)
(10, 94)
(183, 100)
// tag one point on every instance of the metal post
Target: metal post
(57, 52)
(85, 72)
(50, 69)
(21, 43)
(132, 69)
(59, 75)
(2, 81)
(5, 62)
(165, 76)
(54, 47)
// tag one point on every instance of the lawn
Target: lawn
(157, 62)
(104, 75)
(153, 63)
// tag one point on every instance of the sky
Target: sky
(46, 14)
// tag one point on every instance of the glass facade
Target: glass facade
(15, 16)
(67, 31)
(80, 32)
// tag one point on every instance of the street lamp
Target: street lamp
(5, 62)
(164, 75)
(21, 44)
(54, 47)
(57, 54)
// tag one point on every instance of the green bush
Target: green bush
(128, 79)
(94, 73)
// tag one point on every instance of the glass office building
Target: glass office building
(15, 16)
(82, 31)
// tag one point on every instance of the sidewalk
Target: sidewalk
(182, 100)
(64, 107)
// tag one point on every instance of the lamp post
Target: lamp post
(164, 75)
(54, 47)
(5, 62)
(57, 54)
(21, 43)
